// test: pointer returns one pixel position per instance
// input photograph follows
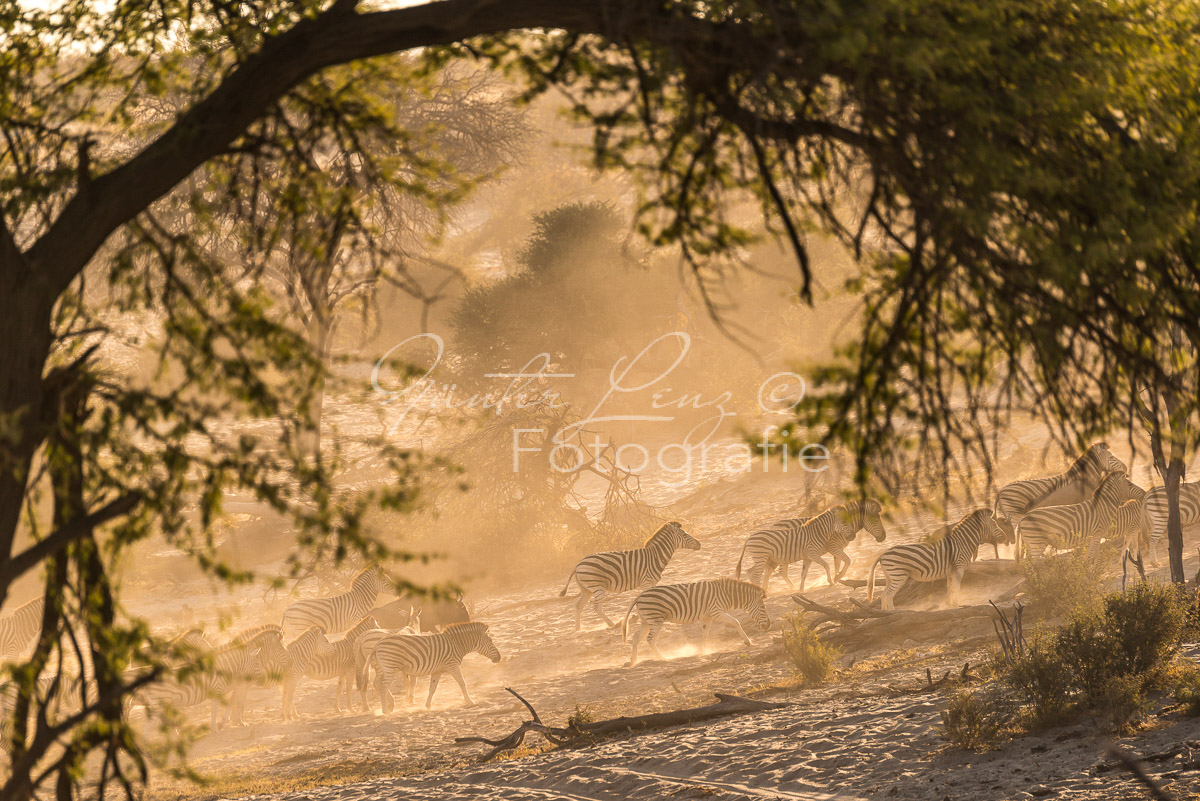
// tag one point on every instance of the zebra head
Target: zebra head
(673, 534)
(483, 644)
(1116, 488)
(366, 624)
(1096, 461)
(369, 582)
(757, 607)
(865, 516)
(990, 529)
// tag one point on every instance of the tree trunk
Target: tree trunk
(25, 335)
(320, 334)
(1172, 478)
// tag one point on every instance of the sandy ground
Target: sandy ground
(873, 732)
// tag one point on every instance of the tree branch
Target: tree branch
(14, 568)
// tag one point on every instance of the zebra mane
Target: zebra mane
(256, 632)
(465, 624)
(664, 530)
(370, 573)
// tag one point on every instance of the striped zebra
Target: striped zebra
(1077, 484)
(930, 561)
(1154, 516)
(430, 655)
(364, 653)
(1070, 525)
(703, 601)
(808, 539)
(234, 668)
(299, 654)
(614, 572)
(19, 630)
(339, 662)
(340, 612)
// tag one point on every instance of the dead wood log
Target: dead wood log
(897, 628)
(583, 733)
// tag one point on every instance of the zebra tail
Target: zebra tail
(568, 584)
(625, 622)
(742, 556)
(871, 578)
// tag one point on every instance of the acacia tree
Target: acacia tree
(986, 135)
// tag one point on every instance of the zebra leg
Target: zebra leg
(597, 598)
(828, 572)
(784, 570)
(705, 626)
(736, 624)
(637, 638)
(652, 640)
(433, 683)
(953, 583)
(410, 687)
(386, 702)
(456, 674)
(804, 574)
(889, 592)
(585, 595)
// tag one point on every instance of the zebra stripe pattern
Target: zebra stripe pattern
(930, 561)
(808, 540)
(430, 655)
(339, 662)
(703, 601)
(621, 571)
(364, 653)
(19, 630)
(1071, 525)
(340, 612)
(300, 653)
(1077, 484)
(1154, 516)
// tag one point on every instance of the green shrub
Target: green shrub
(812, 659)
(1060, 586)
(977, 719)
(1187, 688)
(1103, 660)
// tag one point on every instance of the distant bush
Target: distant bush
(1060, 586)
(1187, 689)
(977, 719)
(1103, 660)
(812, 659)
(582, 716)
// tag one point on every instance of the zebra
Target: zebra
(339, 662)
(703, 601)
(1070, 525)
(299, 654)
(430, 655)
(234, 667)
(364, 652)
(340, 612)
(620, 571)
(1015, 500)
(929, 561)
(19, 630)
(808, 539)
(1154, 515)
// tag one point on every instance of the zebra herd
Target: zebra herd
(1092, 499)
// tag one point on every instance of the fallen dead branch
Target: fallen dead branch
(579, 734)
(863, 626)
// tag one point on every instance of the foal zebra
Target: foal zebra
(620, 571)
(339, 662)
(1154, 515)
(808, 539)
(19, 630)
(339, 612)
(430, 655)
(1071, 525)
(300, 654)
(703, 601)
(1015, 500)
(929, 561)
